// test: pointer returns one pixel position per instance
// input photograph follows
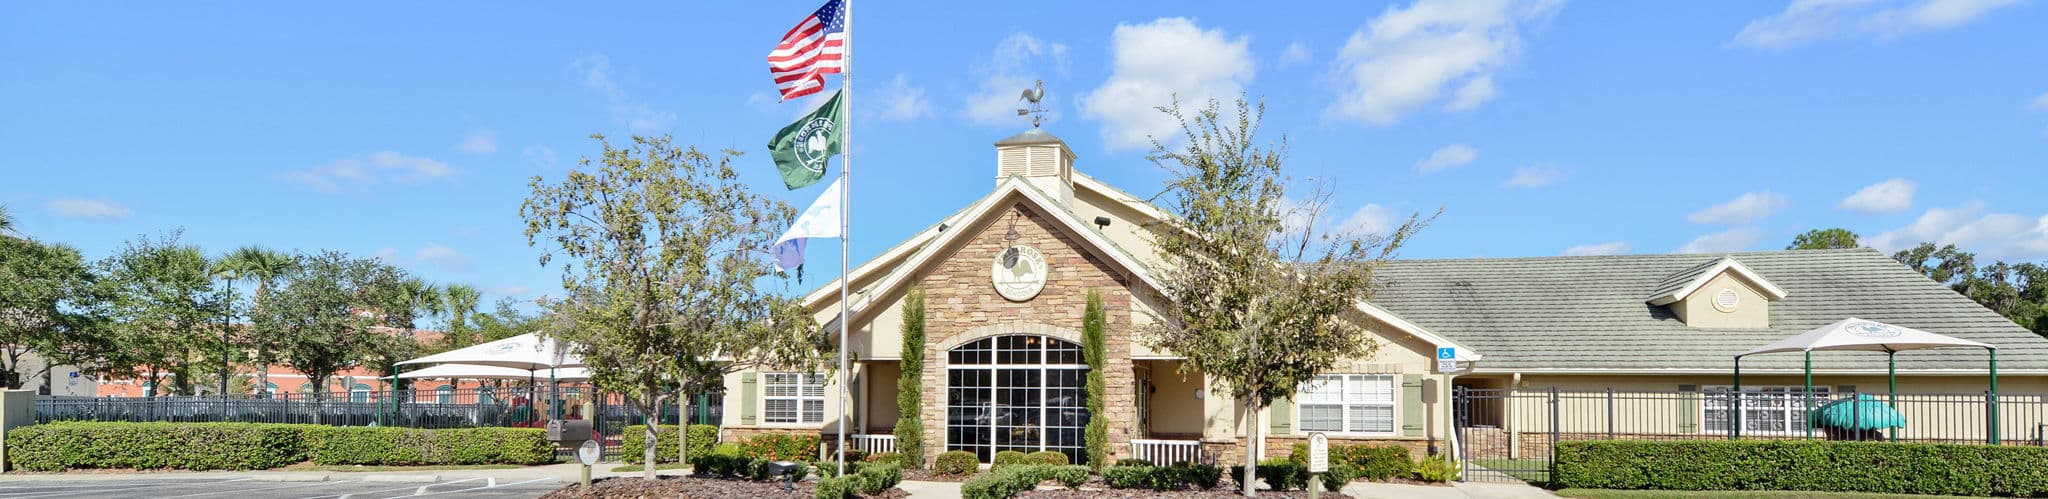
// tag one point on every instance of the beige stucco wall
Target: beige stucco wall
(1174, 408)
(1752, 309)
(879, 389)
(1397, 354)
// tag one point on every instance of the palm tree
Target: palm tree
(460, 300)
(265, 267)
(6, 220)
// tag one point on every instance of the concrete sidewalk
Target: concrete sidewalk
(1457, 490)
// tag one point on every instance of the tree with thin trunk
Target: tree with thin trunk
(910, 382)
(459, 301)
(1095, 437)
(263, 267)
(325, 312)
(665, 262)
(1834, 238)
(1260, 298)
(165, 307)
(50, 307)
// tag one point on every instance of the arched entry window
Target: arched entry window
(444, 394)
(1022, 392)
(360, 393)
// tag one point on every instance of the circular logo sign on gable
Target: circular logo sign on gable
(1869, 329)
(1019, 273)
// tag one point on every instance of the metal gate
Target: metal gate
(1504, 435)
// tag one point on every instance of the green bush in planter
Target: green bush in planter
(1071, 476)
(838, 487)
(1436, 469)
(1277, 473)
(1005, 482)
(781, 447)
(633, 442)
(188, 446)
(1124, 476)
(1205, 476)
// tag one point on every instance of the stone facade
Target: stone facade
(962, 306)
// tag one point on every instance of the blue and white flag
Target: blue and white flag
(821, 220)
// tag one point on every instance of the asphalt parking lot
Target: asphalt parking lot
(254, 487)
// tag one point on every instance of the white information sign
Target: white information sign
(589, 452)
(1318, 453)
(1446, 365)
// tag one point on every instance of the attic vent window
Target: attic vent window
(1726, 300)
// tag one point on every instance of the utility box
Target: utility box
(569, 430)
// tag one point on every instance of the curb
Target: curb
(402, 478)
(290, 477)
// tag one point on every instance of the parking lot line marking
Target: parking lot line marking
(240, 491)
(493, 486)
(423, 487)
(100, 490)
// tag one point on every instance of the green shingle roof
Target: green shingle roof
(1590, 312)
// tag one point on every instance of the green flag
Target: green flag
(800, 149)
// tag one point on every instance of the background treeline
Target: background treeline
(2018, 291)
(166, 313)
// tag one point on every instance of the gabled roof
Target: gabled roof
(1681, 284)
(1587, 314)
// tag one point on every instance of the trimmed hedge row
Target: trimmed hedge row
(870, 480)
(1378, 463)
(1825, 466)
(249, 446)
(633, 442)
(1010, 480)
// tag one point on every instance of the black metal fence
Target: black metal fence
(1506, 434)
(427, 409)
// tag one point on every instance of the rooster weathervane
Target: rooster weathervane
(1031, 97)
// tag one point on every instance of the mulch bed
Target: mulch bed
(1218, 492)
(694, 488)
(929, 476)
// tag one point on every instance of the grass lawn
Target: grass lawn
(1726, 494)
(345, 468)
(636, 467)
(1527, 470)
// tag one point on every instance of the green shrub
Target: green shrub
(336, 445)
(781, 447)
(720, 464)
(1436, 469)
(896, 458)
(1133, 462)
(878, 478)
(1095, 436)
(1128, 476)
(1047, 458)
(1205, 476)
(1003, 483)
(839, 487)
(956, 463)
(1372, 462)
(1337, 476)
(830, 469)
(1280, 474)
(187, 446)
(1070, 476)
(1165, 478)
(633, 442)
(1823, 466)
(1005, 459)
(491, 446)
(910, 381)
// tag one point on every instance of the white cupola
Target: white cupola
(1039, 158)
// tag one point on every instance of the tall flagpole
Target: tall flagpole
(845, 185)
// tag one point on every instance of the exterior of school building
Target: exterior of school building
(1006, 279)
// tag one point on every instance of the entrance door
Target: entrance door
(1020, 393)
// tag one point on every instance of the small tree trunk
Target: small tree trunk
(682, 429)
(1251, 447)
(647, 454)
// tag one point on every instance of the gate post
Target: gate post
(1610, 413)
(1552, 468)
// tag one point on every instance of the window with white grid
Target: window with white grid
(1765, 409)
(793, 398)
(1348, 403)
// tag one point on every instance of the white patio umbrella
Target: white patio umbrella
(467, 371)
(1855, 334)
(526, 351)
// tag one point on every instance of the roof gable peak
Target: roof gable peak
(1682, 284)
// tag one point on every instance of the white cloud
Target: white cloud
(539, 156)
(1446, 157)
(1608, 248)
(478, 142)
(1018, 62)
(1890, 196)
(388, 254)
(1296, 53)
(1741, 210)
(1993, 236)
(637, 116)
(1722, 242)
(1155, 63)
(1406, 58)
(1371, 219)
(365, 171)
(2040, 103)
(902, 102)
(1813, 20)
(90, 209)
(443, 257)
(1534, 176)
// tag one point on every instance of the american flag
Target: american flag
(814, 48)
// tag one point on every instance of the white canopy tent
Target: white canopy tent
(526, 351)
(1853, 334)
(472, 371)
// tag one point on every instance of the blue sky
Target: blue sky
(1541, 128)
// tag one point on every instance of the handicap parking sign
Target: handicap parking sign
(1446, 353)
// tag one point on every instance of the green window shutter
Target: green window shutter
(1282, 416)
(1688, 409)
(1411, 405)
(749, 393)
(1840, 389)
